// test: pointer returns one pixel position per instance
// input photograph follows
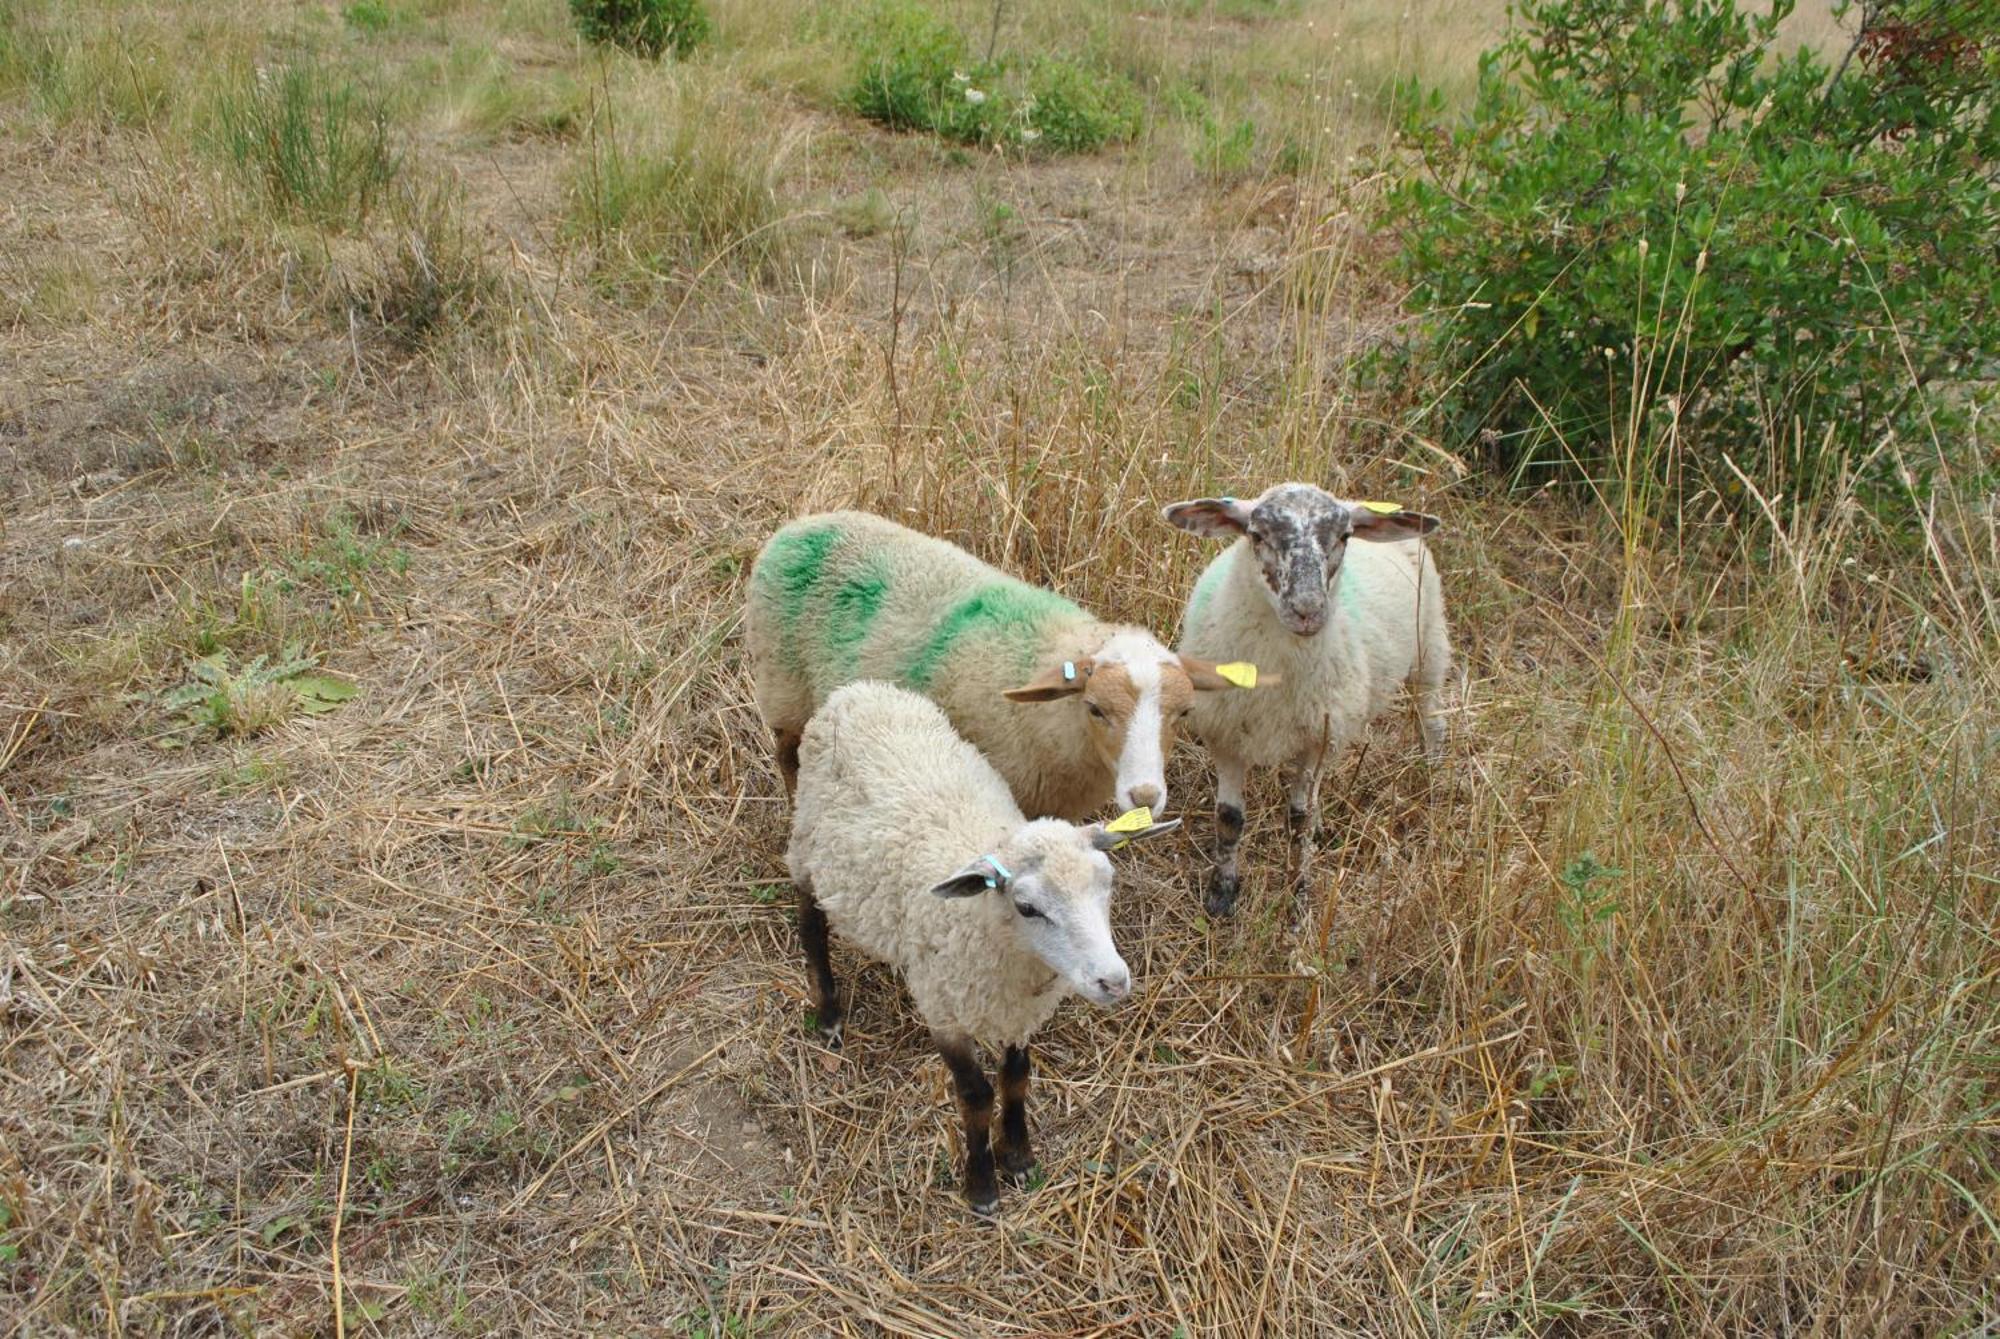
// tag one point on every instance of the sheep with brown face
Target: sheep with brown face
(1076, 713)
(1344, 624)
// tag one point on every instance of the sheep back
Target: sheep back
(843, 596)
(891, 800)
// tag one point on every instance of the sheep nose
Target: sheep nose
(1148, 795)
(1115, 985)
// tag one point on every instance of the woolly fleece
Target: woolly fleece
(1386, 626)
(843, 596)
(890, 802)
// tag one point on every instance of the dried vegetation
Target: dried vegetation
(472, 1003)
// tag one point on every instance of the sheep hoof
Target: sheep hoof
(987, 1209)
(1019, 1165)
(1221, 899)
(826, 1031)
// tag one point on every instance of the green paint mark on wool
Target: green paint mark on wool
(1204, 591)
(790, 571)
(1014, 612)
(850, 614)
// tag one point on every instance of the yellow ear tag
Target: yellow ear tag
(1383, 508)
(1132, 820)
(1239, 672)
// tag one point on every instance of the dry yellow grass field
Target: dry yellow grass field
(472, 1003)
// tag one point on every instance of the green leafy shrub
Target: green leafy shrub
(1652, 229)
(315, 148)
(1074, 108)
(648, 28)
(913, 70)
(904, 60)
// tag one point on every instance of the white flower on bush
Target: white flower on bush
(974, 96)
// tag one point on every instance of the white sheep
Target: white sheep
(910, 845)
(1267, 598)
(843, 596)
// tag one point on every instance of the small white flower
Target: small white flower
(974, 96)
(960, 77)
(1030, 135)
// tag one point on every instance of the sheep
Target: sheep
(1268, 596)
(909, 844)
(842, 596)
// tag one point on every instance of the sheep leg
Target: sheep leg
(1224, 883)
(1017, 1159)
(1302, 816)
(826, 994)
(975, 1107)
(788, 758)
(1430, 720)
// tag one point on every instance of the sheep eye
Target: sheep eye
(1095, 710)
(1028, 913)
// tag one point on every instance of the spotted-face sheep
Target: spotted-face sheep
(1344, 626)
(910, 846)
(1074, 712)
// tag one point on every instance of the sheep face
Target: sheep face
(1054, 888)
(1298, 534)
(1130, 697)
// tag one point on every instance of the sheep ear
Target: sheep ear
(1052, 683)
(1210, 517)
(1373, 522)
(1105, 840)
(970, 881)
(1207, 676)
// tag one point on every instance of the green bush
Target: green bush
(648, 28)
(314, 147)
(913, 70)
(1653, 229)
(1074, 108)
(904, 60)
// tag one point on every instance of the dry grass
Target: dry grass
(479, 994)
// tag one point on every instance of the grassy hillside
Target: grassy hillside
(393, 927)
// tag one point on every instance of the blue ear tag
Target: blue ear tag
(1229, 501)
(999, 869)
(1069, 671)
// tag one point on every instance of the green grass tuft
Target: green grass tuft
(312, 147)
(674, 171)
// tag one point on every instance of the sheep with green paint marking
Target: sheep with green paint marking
(1345, 626)
(1074, 712)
